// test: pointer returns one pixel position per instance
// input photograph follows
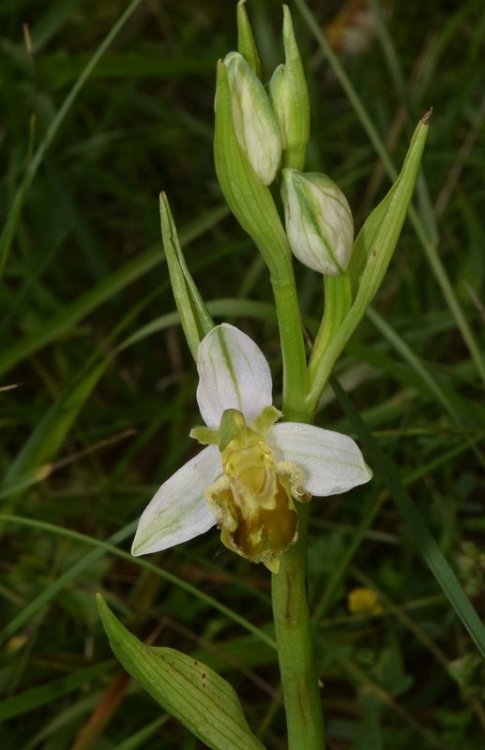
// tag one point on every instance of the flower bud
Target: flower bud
(246, 44)
(289, 97)
(319, 223)
(255, 124)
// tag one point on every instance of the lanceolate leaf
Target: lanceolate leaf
(196, 321)
(192, 692)
(371, 255)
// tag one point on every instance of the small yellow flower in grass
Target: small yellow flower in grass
(248, 478)
(362, 601)
(16, 643)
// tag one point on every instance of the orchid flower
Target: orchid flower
(247, 479)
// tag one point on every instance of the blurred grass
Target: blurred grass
(104, 395)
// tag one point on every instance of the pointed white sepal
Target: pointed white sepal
(178, 511)
(331, 462)
(233, 374)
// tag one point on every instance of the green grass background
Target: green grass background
(103, 106)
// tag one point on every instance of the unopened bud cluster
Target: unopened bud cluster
(272, 130)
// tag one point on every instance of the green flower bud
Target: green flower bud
(319, 223)
(245, 39)
(289, 96)
(255, 124)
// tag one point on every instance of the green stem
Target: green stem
(290, 605)
(299, 679)
(292, 345)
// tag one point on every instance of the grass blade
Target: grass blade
(414, 523)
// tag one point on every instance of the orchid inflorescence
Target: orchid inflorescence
(261, 465)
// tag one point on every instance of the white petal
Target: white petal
(331, 462)
(233, 374)
(178, 511)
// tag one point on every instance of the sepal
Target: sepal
(233, 374)
(178, 511)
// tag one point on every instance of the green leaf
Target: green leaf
(51, 691)
(31, 610)
(194, 317)
(13, 216)
(192, 692)
(371, 255)
(377, 240)
(50, 434)
(71, 314)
